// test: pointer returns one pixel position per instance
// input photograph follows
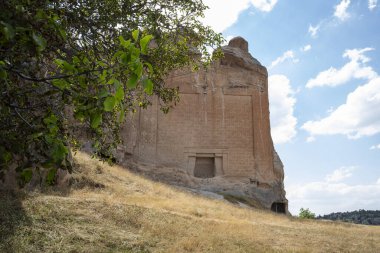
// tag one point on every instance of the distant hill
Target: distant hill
(366, 217)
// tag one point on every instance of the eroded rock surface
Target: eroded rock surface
(218, 137)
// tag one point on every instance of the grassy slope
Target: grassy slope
(132, 214)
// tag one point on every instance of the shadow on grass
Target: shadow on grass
(12, 217)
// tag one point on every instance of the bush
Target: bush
(306, 214)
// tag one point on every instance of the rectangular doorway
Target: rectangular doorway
(204, 167)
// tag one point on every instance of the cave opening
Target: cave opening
(278, 207)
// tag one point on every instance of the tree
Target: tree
(306, 214)
(92, 61)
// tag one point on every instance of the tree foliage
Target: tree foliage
(366, 217)
(306, 214)
(92, 61)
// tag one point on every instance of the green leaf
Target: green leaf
(49, 139)
(59, 62)
(62, 32)
(26, 175)
(82, 81)
(5, 156)
(40, 15)
(135, 54)
(119, 95)
(132, 82)
(50, 177)
(150, 67)
(124, 58)
(101, 64)
(52, 119)
(76, 60)
(116, 84)
(135, 34)
(138, 69)
(39, 41)
(117, 55)
(8, 31)
(59, 152)
(109, 104)
(96, 119)
(64, 65)
(111, 81)
(86, 61)
(103, 76)
(79, 115)
(124, 43)
(103, 93)
(144, 43)
(3, 74)
(61, 84)
(148, 86)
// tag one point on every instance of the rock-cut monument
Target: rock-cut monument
(217, 138)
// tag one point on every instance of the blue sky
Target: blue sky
(324, 87)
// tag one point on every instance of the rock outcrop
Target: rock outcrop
(218, 137)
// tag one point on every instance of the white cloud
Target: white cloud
(313, 30)
(287, 55)
(340, 174)
(310, 139)
(355, 68)
(281, 102)
(375, 147)
(341, 10)
(306, 48)
(224, 13)
(340, 13)
(326, 196)
(372, 4)
(264, 5)
(358, 117)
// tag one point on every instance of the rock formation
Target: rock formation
(218, 136)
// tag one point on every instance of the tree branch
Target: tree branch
(23, 118)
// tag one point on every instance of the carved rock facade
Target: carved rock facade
(219, 133)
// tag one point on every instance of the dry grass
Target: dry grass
(109, 209)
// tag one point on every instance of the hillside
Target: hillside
(109, 209)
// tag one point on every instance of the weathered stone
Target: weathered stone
(236, 55)
(240, 43)
(218, 136)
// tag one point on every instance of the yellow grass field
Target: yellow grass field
(109, 209)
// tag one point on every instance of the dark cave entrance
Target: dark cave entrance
(278, 207)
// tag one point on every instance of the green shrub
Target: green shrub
(306, 214)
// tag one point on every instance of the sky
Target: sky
(323, 63)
